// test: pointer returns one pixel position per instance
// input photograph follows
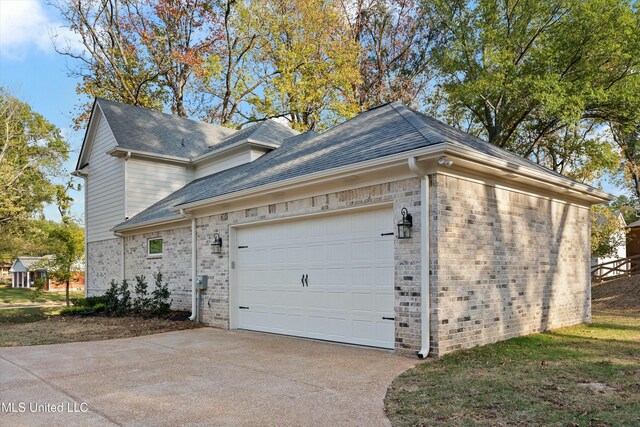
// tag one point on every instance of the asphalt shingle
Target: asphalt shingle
(150, 131)
(383, 131)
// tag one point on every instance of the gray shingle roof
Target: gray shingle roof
(268, 131)
(379, 132)
(140, 129)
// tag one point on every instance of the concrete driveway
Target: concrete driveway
(197, 377)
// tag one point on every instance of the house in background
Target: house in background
(26, 270)
(5, 276)
(390, 230)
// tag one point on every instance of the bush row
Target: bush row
(118, 301)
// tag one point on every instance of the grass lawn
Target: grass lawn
(9, 295)
(583, 375)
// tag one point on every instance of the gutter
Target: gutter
(425, 237)
(194, 263)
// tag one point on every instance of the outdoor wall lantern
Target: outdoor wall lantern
(216, 245)
(405, 224)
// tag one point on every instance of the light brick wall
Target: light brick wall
(104, 259)
(174, 264)
(502, 263)
(404, 193)
(505, 264)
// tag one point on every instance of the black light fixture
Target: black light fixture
(405, 224)
(216, 245)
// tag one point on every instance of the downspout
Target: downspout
(425, 237)
(194, 266)
(122, 242)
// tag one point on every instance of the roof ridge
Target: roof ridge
(402, 110)
(173, 116)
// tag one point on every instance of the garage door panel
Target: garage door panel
(349, 266)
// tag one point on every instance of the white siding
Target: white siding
(105, 185)
(151, 181)
(217, 164)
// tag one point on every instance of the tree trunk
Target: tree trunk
(67, 292)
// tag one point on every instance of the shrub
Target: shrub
(99, 308)
(72, 311)
(141, 302)
(78, 302)
(93, 301)
(117, 300)
(160, 302)
(112, 300)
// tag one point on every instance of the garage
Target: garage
(329, 277)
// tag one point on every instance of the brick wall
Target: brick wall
(405, 193)
(174, 264)
(104, 259)
(504, 264)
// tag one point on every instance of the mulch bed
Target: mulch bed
(64, 329)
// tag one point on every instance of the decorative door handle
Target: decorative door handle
(302, 280)
(306, 280)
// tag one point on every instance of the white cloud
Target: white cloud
(25, 26)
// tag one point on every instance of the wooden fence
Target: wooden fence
(616, 268)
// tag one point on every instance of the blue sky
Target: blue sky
(32, 71)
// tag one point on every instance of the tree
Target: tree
(230, 76)
(607, 232)
(628, 207)
(628, 141)
(66, 245)
(31, 154)
(396, 39)
(528, 74)
(139, 52)
(313, 61)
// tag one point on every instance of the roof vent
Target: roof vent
(182, 142)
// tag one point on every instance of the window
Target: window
(155, 247)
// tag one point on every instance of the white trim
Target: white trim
(248, 142)
(149, 254)
(121, 152)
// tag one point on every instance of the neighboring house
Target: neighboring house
(299, 233)
(620, 253)
(5, 276)
(26, 270)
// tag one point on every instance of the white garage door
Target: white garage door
(328, 278)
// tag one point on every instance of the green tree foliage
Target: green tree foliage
(65, 244)
(607, 231)
(305, 45)
(535, 76)
(31, 154)
(628, 207)
(628, 140)
(542, 78)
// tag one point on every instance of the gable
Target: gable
(97, 127)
